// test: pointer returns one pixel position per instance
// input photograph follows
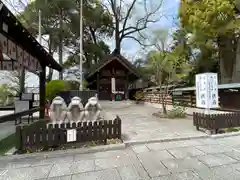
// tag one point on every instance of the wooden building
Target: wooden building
(112, 77)
(20, 50)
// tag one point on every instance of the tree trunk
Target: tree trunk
(61, 43)
(117, 28)
(227, 55)
(164, 108)
(117, 40)
(236, 71)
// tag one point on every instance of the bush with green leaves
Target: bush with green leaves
(177, 112)
(54, 87)
(139, 96)
(74, 85)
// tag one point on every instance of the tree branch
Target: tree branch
(138, 27)
(138, 41)
(128, 14)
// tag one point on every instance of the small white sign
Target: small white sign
(71, 135)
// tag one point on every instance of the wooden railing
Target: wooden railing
(216, 121)
(50, 135)
(17, 116)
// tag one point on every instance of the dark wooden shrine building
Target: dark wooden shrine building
(111, 78)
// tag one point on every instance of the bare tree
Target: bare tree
(132, 18)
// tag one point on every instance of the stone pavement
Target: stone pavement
(189, 110)
(202, 159)
(6, 129)
(9, 127)
(138, 124)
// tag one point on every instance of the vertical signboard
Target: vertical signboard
(201, 91)
(113, 83)
(207, 90)
(213, 90)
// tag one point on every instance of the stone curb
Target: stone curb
(129, 143)
(230, 134)
(215, 136)
(70, 152)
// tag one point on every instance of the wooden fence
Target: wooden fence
(156, 98)
(84, 95)
(53, 135)
(187, 100)
(216, 121)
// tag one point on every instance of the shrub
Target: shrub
(139, 96)
(74, 85)
(54, 87)
(177, 112)
(232, 129)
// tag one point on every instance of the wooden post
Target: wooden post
(98, 84)
(126, 86)
(42, 82)
(18, 135)
(191, 100)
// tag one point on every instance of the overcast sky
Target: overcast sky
(130, 48)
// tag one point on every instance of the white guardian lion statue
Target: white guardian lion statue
(92, 109)
(75, 110)
(57, 110)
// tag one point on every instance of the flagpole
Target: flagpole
(39, 27)
(80, 47)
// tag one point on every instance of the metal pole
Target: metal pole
(80, 47)
(39, 26)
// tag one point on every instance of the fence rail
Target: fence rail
(43, 136)
(17, 116)
(216, 121)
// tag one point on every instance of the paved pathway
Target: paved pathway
(189, 110)
(139, 125)
(9, 127)
(204, 159)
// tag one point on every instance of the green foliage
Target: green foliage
(68, 10)
(6, 92)
(214, 27)
(167, 67)
(54, 87)
(93, 51)
(139, 96)
(74, 85)
(232, 129)
(7, 143)
(209, 18)
(177, 112)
